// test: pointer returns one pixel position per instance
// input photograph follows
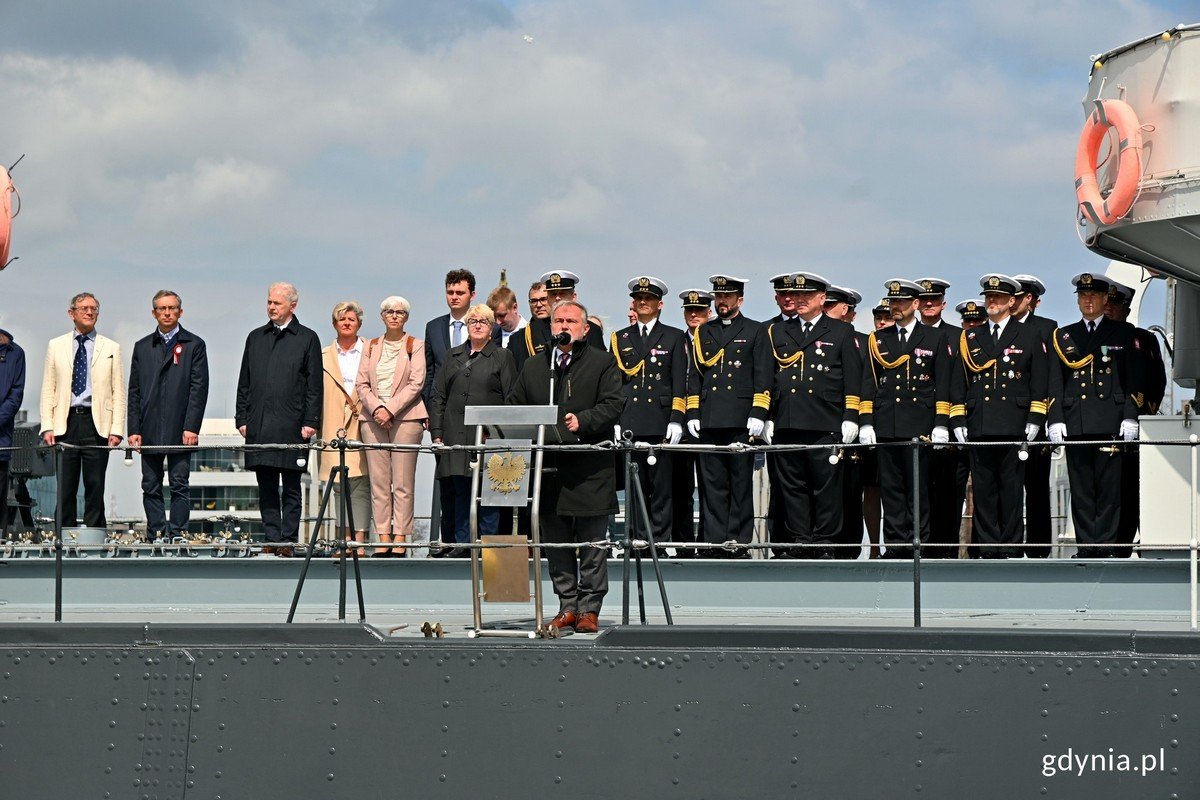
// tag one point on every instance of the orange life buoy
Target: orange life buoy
(6, 190)
(1108, 114)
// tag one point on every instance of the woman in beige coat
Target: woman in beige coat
(391, 376)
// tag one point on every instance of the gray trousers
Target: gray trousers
(580, 577)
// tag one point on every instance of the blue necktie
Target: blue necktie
(79, 368)
(456, 340)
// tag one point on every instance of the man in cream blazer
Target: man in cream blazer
(83, 403)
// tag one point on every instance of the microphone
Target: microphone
(560, 339)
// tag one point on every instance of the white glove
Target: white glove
(849, 432)
(769, 431)
(940, 435)
(1031, 431)
(693, 428)
(866, 434)
(755, 427)
(674, 433)
(960, 433)
(1129, 430)
(1057, 432)
(616, 433)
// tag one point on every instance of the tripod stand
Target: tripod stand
(635, 501)
(338, 477)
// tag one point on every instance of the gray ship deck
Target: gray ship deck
(401, 595)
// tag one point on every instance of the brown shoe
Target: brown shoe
(564, 619)
(589, 622)
(284, 552)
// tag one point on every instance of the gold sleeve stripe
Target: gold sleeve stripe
(678, 404)
(762, 400)
(866, 407)
(942, 407)
(958, 410)
(692, 401)
(853, 402)
(1038, 407)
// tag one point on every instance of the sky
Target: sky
(361, 149)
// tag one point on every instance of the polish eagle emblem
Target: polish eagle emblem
(505, 471)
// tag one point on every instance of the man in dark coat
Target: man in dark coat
(814, 401)
(12, 391)
(279, 402)
(168, 390)
(1038, 529)
(905, 395)
(652, 358)
(729, 397)
(1102, 384)
(1154, 370)
(578, 488)
(1003, 399)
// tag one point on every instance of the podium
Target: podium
(501, 475)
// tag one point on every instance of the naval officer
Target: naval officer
(652, 359)
(727, 403)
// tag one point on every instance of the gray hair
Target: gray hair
(347, 305)
(574, 303)
(161, 293)
(83, 296)
(288, 290)
(394, 302)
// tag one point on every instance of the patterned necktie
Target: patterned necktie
(456, 339)
(564, 358)
(79, 368)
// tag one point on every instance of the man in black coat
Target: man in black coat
(814, 401)
(729, 397)
(557, 286)
(12, 392)
(1039, 532)
(841, 303)
(949, 467)
(697, 307)
(579, 489)
(1117, 308)
(652, 358)
(1102, 393)
(905, 395)
(1003, 399)
(168, 390)
(279, 402)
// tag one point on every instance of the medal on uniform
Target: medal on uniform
(1104, 353)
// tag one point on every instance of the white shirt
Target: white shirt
(462, 335)
(504, 335)
(348, 361)
(89, 349)
(648, 327)
(908, 329)
(991, 326)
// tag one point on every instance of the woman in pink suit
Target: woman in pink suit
(391, 376)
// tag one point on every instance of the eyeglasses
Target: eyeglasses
(166, 308)
(87, 309)
(478, 321)
(534, 301)
(394, 312)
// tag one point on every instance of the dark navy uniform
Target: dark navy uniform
(730, 384)
(816, 389)
(1039, 531)
(654, 382)
(905, 395)
(1005, 390)
(949, 469)
(1101, 384)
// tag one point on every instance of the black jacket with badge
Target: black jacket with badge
(485, 380)
(1101, 378)
(818, 377)
(906, 390)
(168, 388)
(582, 484)
(1004, 385)
(654, 377)
(279, 392)
(732, 373)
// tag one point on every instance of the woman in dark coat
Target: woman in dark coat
(476, 373)
(279, 402)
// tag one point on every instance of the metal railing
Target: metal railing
(627, 545)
